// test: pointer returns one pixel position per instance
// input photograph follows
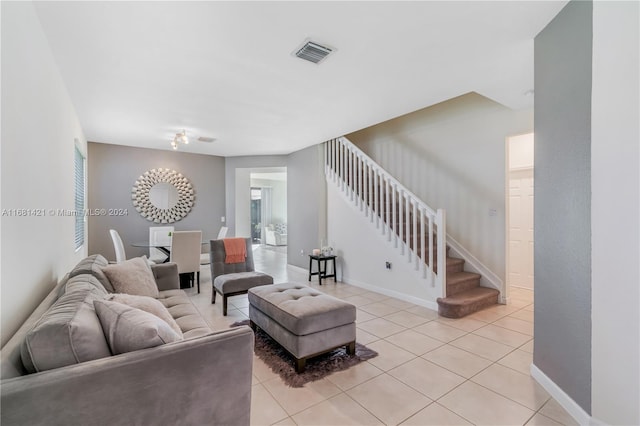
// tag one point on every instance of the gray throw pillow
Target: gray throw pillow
(132, 276)
(129, 329)
(148, 304)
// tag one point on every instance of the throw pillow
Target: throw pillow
(132, 276)
(148, 304)
(129, 329)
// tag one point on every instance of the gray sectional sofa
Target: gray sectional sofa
(204, 378)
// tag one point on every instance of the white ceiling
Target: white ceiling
(138, 72)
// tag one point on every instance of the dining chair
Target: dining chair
(118, 246)
(185, 252)
(160, 235)
(204, 257)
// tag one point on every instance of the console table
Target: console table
(322, 267)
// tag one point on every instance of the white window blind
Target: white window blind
(79, 198)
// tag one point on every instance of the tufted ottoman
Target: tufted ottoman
(304, 321)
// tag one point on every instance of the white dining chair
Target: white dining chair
(204, 257)
(160, 235)
(118, 246)
(185, 252)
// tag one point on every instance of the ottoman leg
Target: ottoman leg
(253, 325)
(351, 348)
(300, 365)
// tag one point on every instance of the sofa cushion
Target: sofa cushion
(147, 304)
(81, 283)
(93, 265)
(132, 276)
(129, 329)
(185, 313)
(69, 332)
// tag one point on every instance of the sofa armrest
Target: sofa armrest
(166, 275)
(204, 380)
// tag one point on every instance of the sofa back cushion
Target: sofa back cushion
(132, 276)
(69, 332)
(93, 265)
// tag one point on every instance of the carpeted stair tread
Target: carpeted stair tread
(458, 277)
(467, 302)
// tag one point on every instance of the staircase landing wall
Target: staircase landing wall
(362, 252)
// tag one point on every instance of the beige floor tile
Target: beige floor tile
(362, 316)
(518, 360)
(265, 410)
(527, 347)
(389, 399)
(484, 407)
(238, 301)
(554, 411)
(457, 360)
(389, 355)
(286, 422)
(440, 331)
(365, 338)
(521, 293)
(295, 400)
(338, 410)
(466, 324)
(254, 380)
(516, 386)
(354, 376)
(528, 308)
(483, 347)
(262, 371)
(380, 327)
(435, 415)
(515, 324)
(375, 296)
(358, 300)
(522, 314)
(414, 342)
(379, 309)
(427, 313)
(426, 377)
(397, 303)
(406, 319)
(502, 335)
(540, 420)
(519, 303)
(488, 315)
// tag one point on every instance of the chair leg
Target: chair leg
(213, 294)
(198, 281)
(224, 305)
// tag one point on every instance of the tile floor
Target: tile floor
(430, 370)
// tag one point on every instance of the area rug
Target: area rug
(282, 363)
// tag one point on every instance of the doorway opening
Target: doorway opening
(256, 215)
(519, 218)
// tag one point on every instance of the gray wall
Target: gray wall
(113, 169)
(307, 204)
(562, 127)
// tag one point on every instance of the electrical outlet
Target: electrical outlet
(301, 252)
(223, 219)
(387, 265)
(493, 212)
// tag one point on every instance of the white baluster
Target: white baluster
(407, 222)
(415, 233)
(394, 218)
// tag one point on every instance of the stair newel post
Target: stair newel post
(407, 222)
(430, 243)
(442, 250)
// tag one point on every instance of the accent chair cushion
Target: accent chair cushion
(241, 281)
(147, 304)
(132, 276)
(68, 333)
(129, 329)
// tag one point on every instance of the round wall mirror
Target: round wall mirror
(162, 196)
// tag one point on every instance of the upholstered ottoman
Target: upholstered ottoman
(304, 321)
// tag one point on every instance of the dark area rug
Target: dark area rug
(282, 363)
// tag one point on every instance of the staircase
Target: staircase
(412, 227)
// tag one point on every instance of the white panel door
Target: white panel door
(521, 228)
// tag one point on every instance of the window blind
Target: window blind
(79, 198)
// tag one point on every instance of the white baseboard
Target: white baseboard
(297, 268)
(411, 299)
(574, 410)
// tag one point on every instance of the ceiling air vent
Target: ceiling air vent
(313, 52)
(205, 139)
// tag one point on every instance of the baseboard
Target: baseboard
(297, 268)
(411, 299)
(574, 410)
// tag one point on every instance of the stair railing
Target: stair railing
(417, 230)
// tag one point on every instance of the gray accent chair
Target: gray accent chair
(232, 279)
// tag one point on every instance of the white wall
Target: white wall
(39, 125)
(615, 211)
(243, 204)
(521, 151)
(452, 155)
(362, 252)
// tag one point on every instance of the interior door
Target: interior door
(521, 228)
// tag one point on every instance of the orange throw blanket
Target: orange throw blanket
(235, 249)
